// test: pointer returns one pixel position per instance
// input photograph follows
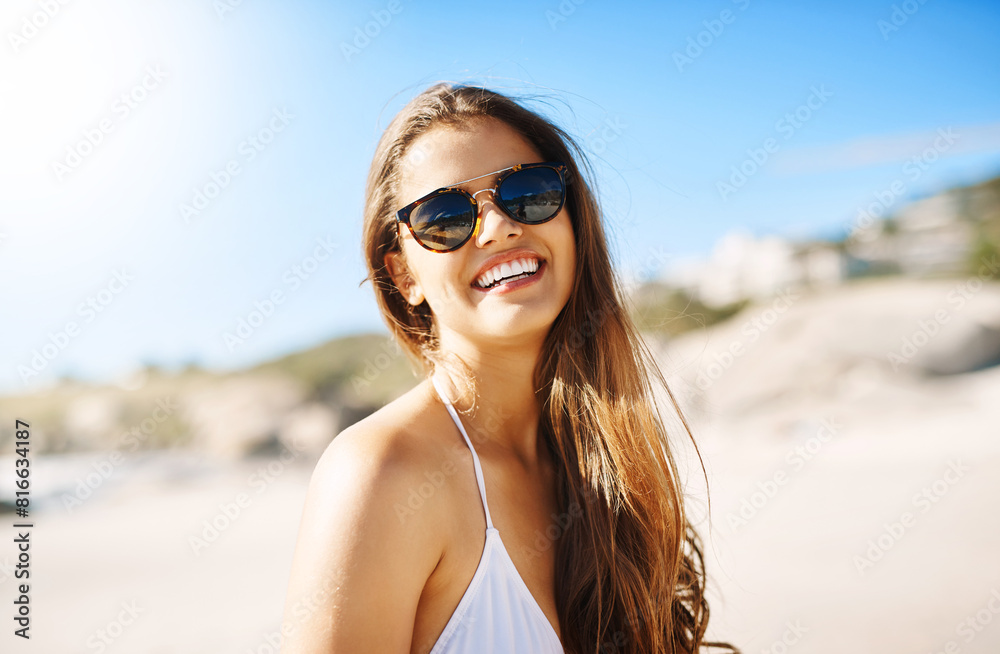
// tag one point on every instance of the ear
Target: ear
(408, 286)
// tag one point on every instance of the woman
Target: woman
(522, 497)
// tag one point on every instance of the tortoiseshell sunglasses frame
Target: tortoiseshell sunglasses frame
(403, 215)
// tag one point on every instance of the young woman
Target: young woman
(522, 497)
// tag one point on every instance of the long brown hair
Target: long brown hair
(629, 567)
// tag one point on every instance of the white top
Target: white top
(497, 613)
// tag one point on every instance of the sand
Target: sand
(880, 534)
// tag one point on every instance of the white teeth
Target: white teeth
(508, 269)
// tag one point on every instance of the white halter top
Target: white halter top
(497, 614)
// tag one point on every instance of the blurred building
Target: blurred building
(928, 237)
(937, 236)
(742, 266)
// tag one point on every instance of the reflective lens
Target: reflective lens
(533, 195)
(446, 219)
(443, 222)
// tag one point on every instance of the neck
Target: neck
(505, 420)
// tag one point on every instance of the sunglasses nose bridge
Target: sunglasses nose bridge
(480, 219)
(486, 190)
(498, 209)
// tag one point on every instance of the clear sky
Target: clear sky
(115, 114)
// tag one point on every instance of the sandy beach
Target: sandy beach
(854, 508)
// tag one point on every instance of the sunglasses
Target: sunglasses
(443, 220)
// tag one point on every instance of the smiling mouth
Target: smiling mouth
(510, 280)
(507, 280)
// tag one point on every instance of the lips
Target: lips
(517, 254)
(506, 272)
(515, 283)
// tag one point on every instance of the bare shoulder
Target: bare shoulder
(403, 446)
(372, 466)
(363, 554)
(395, 442)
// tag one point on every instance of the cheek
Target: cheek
(567, 241)
(441, 276)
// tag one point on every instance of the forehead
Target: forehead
(446, 155)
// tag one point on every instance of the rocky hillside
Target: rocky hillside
(306, 398)
(884, 344)
(876, 349)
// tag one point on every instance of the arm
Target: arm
(358, 570)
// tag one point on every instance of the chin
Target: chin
(518, 329)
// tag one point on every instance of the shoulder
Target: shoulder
(398, 438)
(373, 465)
(360, 535)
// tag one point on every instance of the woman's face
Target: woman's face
(524, 310)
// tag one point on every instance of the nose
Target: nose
(494, 223)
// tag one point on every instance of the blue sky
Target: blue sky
(667, 98)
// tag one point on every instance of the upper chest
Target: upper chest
(523, 507)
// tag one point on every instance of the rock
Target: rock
(240, 414)
(308, 429)
(964, 347)
(877, 338)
